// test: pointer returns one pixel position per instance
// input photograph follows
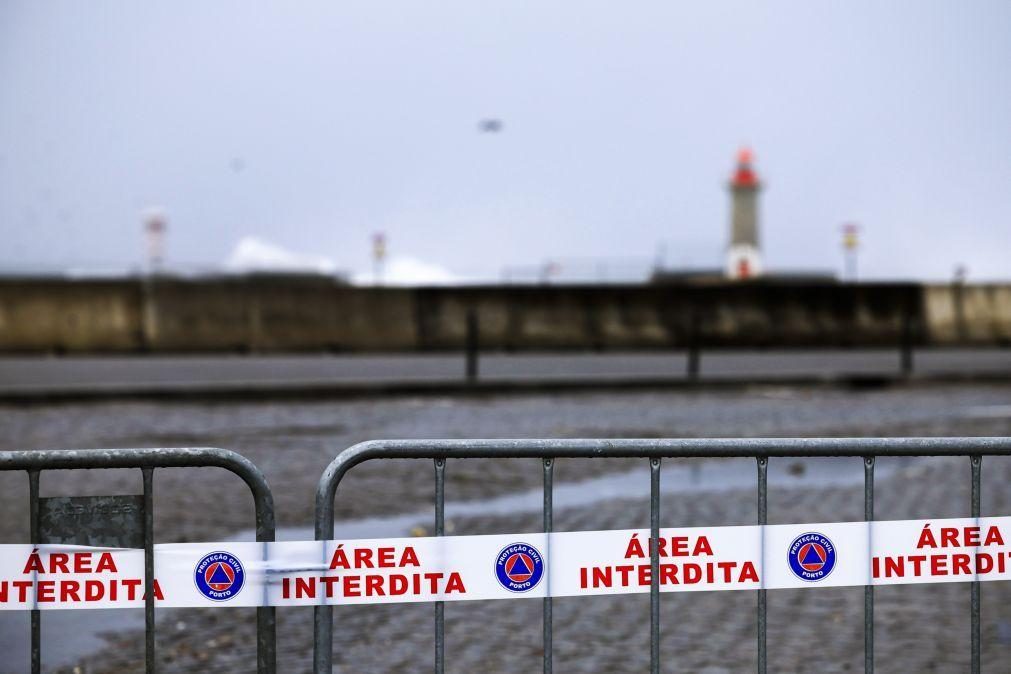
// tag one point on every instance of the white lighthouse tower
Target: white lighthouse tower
(744, 259)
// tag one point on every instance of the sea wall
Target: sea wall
(297, 314)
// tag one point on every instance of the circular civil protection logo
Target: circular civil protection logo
(811, 556)
(519, 567)
(219, 576)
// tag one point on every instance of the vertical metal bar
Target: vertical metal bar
(693, 346)
(266, 639)
(472, 346)
(693, 362)
(33, 509)
(869, 589)
(654, 566)
(974, 591)
(763, 518)
(266, 617)
(322, 647)
(548, 495)
(440, 525)
(148, 474)
(906, 347)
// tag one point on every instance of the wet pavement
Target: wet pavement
(919, 628)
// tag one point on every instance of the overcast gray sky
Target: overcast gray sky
(311, 125)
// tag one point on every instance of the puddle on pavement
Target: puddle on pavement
(708, 476)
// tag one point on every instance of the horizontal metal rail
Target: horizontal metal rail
(694, 341)
(654, 450)
(147, 460)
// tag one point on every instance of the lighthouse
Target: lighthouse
(743, 256)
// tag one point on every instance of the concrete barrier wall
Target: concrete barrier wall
(282, 314)
(264, 313)
(968, 314)
(56, 316)
(662, 316)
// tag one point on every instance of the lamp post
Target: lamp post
(851, 242)
(155, 226)
(378, 256)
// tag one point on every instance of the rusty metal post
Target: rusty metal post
(472, 346)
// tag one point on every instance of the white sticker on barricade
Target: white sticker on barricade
(563, 564)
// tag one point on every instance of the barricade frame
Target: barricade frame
(147, 460)
(760, 449)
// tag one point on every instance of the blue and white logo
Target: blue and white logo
(519, 567)
(219, 576)
(812, 556)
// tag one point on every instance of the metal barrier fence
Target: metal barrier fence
(654, 450)
(147, 460)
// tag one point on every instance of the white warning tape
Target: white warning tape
(565, 564)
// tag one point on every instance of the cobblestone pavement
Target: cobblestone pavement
(919, 628)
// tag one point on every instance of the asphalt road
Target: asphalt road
(96, 376)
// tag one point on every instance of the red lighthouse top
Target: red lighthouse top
(744, 176)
